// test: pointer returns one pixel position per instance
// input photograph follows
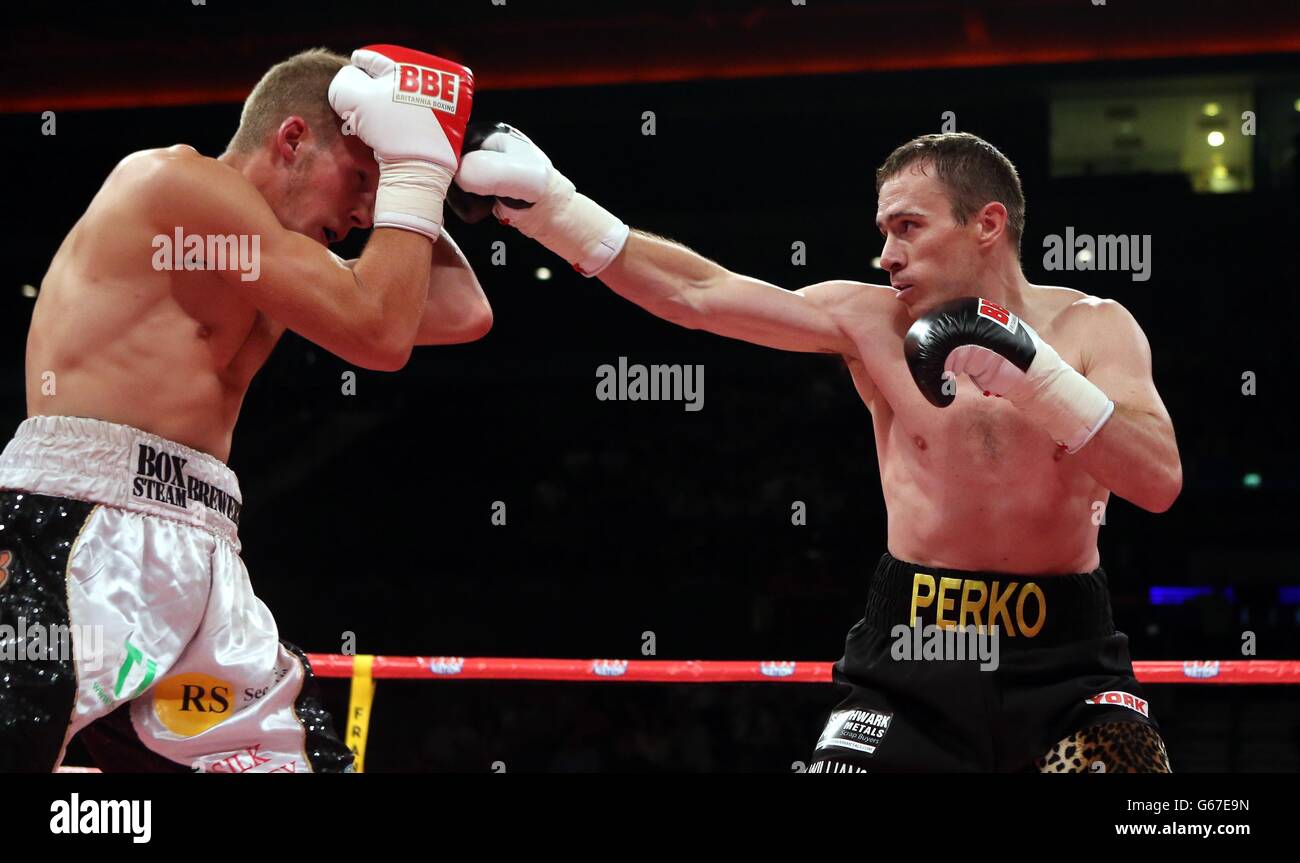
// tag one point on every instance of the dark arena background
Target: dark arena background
(749, 131)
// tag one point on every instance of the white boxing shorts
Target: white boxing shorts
(126, 611)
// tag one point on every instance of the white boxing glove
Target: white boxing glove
(500, 161)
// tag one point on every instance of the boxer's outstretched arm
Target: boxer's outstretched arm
(667, 279)
(367, 314)
(674, 283)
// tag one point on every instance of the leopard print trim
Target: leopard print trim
(1114, 747)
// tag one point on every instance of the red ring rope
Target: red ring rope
(1261, 671)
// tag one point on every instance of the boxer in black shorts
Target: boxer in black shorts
(1062, 698)
(1005, 415)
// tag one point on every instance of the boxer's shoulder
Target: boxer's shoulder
(159, 163)
(1066, 309)
(863, 312)
(174, 173)
(178, 182)
(841, 296)
(1082, 327)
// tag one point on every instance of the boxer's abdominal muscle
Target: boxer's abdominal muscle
(982, 490)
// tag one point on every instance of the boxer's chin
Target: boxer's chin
(913, 300)
(921, 303)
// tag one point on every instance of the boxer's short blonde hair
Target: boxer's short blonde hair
(972, 171)
(299, 85)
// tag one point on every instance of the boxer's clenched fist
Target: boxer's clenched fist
(500, 162)
(411, 109)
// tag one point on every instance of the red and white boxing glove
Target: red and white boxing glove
(501, 161)
(411, 108)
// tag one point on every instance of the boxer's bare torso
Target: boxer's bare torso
(170, 352)
(975, 485)
(119, 335)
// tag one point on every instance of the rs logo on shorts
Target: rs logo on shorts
(432, 88)
(859, 730)
(1123, 699)
(191, 703)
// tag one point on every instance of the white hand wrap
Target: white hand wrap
(410, 196)
(570, 224)
(1069, 406)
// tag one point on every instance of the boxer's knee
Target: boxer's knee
(1113, 747)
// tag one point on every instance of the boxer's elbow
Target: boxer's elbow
(1166, 491)
(477, 324)
(388, 349)
(387, 358)
(467, 326)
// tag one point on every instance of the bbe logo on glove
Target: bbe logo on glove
(432, 88)
(419, 80)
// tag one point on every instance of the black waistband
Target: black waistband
(1029, 610)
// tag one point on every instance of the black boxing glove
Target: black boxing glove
(1005, 357)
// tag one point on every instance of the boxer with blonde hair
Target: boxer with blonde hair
(117, 509)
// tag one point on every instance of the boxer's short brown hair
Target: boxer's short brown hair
(299, 85)
(972, 171)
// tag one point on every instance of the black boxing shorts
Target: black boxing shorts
(954, 671)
